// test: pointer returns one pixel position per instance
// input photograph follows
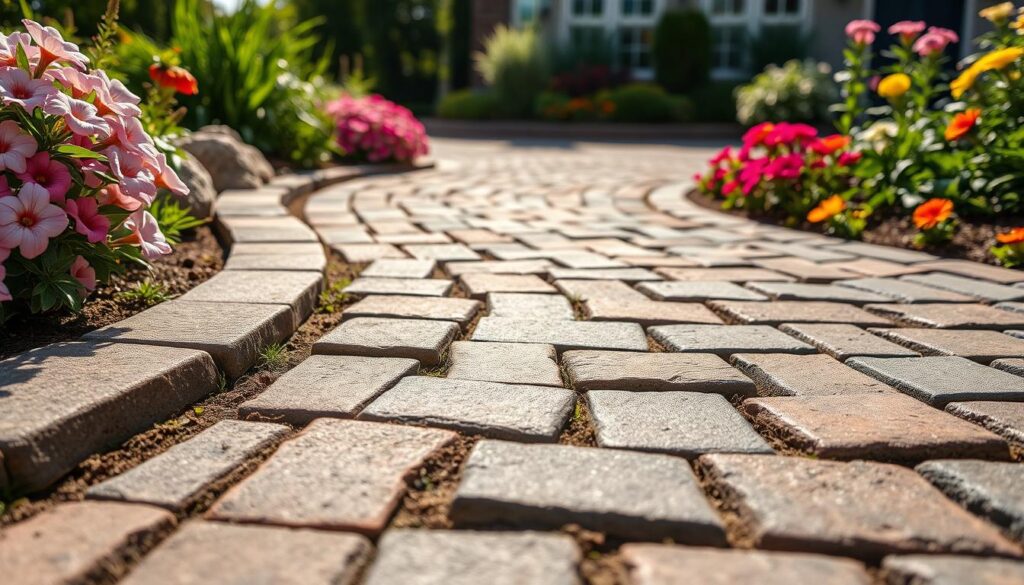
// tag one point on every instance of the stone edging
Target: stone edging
(66, 401)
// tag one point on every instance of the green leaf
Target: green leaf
(79, 152)
(22, 58)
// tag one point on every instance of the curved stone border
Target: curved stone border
(61, 403)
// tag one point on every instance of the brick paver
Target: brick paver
(881, 427)
(420, 557)
(857, 509)
(337, 474)
(658, 564)
(604, 310)
(635, 495)
(217, 552)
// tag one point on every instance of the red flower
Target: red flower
(932, 212)
(176, 78)
(830, 144)
(962, 123)
(756, 135)
(848, 159)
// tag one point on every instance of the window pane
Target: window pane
(598, 7)
(577, 7)
(628, 7)
(647, 7)
(792, 6)
(718, 7)
(771, 7)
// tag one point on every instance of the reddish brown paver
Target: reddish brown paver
(858, 509)
(460, 311)
(337, 474)
(975, 270)
(951, 570)
(981, 346)
(479, 285)
(723, 274)
(1003, 418)
(805, 270)
(843, 341)
(886, 427)
(950, 316)
(217, 552)
(778, 312)
(420, 287)
(78, 542)
(654, 372)
(659, 564)
(780, 374)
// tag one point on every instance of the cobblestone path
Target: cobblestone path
(552, 369)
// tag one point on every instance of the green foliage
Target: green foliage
(941, 234)
(682, 50)
(514, 64)
(403, 48)
(147, 292)
(459, 38)
(101, 52)
(333, 298)
(1008, 255)
(274, 357)
(256, 74)
(796, 92)
(173, 217)
(715, 101)
(647, 103)
(468, 105)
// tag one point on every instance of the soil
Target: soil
(194, 260)
(430, 490)
(580, 431)
(972, 240)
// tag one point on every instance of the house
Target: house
(628, 25)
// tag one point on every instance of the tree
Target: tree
(682, 50)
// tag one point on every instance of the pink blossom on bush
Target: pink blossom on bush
(908, 30)
(935, 41)
(862, 32)
(377, 130)
(96, 158)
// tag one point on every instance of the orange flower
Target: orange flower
(827, 209)
(830, 144)
(176, 78)
(962, 124)
(932, 212)
(1016, 236)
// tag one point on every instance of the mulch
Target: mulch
(194, 260)
(972, 241)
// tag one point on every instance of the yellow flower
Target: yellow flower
(894, 86)
(1018, 24)
(997, 13)
(992, 61)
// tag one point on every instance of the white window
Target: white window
(735, 23)
(628, 25)
(525, 12)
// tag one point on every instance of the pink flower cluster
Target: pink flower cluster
(929, 44)
(377, 129)
(775, 158)
(72, 149)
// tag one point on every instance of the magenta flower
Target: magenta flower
(15, 147)
(88, 220)
(789, 134)
(377, 129)
(908, 30)
(49, 174)
(17, 87)
(862, 32)
(84, 274)
(80, 116)
(785, 167)
(29, 220)
(146, 234)
(53, 47)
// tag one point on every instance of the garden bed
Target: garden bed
(971, 242)
(198, 257)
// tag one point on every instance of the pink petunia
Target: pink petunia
(17, 87)
(88, 220)
(80, 116)
(112, 97)
(129, 135)
(53, 47)
(49, 174)
(135, 180)
(166, 178)
(862, 32)
(785, 167)
(29, 220)
(15, 147)
(934, 42)
(9, 49)
(84, 274)
(113, 195)
(789, 134)
(146, 234)
(908, 30)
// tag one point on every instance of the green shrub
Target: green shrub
(796, 92)
(515, 65)
(715, 101)
(552, 105)
(467, 105)
(646, 103)
(255, 71)
(778, 44)
(682, 50)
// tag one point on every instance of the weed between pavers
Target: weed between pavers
(147, 293)
(580, 431)
(430, 490)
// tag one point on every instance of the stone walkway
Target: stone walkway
(594, 381)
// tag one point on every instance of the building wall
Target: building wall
(828, 20)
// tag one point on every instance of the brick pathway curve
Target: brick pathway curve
(692, 386)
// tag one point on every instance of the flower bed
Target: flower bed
(377, 130)
(936, 166)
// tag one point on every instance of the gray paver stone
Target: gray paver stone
(564, 335)
(540, 307)
(479, 285)
(420, 287)
(988, 488)
(502, 411)
(972, 287)
(779, 374)
(905, 291)
(298, 290)
(798, 291)
(725, 340)
(981, 346)
(174, 478)
(941, 380)
(1003, 418)
(634, 495)
(418, 339)
(778, 312)
(399, 268)
(843, 341)
(950, 316)
(509, 363)
(698, 291)
(461, 311)
(951, 570)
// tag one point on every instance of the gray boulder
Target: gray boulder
(231, 163)
(202, 194)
